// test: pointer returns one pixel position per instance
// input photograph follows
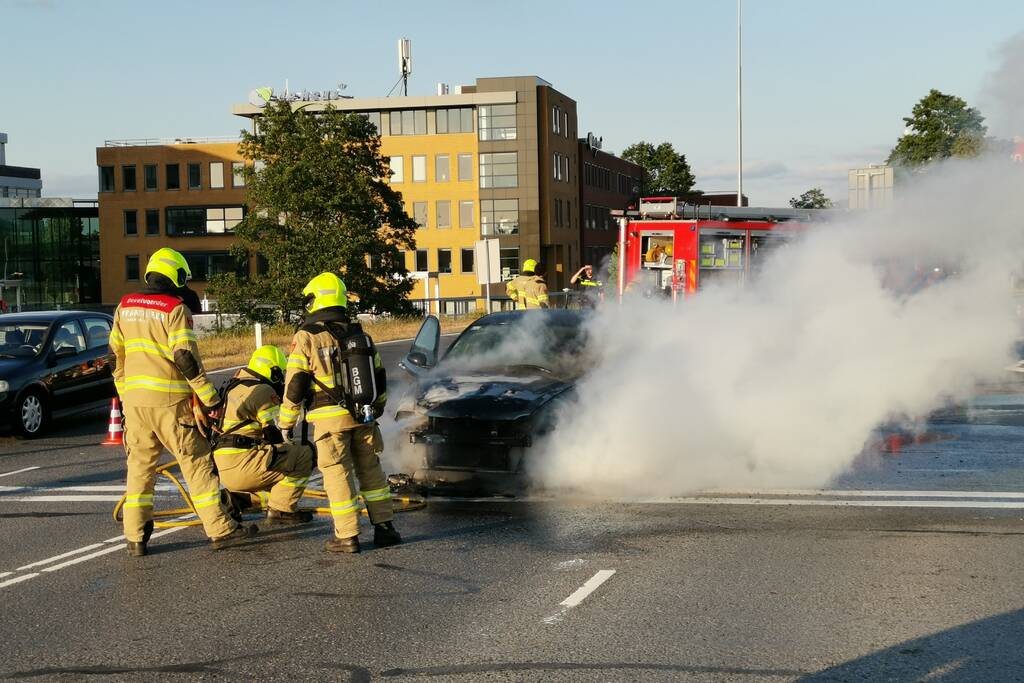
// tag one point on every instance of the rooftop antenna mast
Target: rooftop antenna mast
(405, 62)
(739, 102)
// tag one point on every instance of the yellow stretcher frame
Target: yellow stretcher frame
(400, 503)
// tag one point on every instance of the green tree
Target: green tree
(319, 203)
(940, 126)
(666, 172)
(814, 198)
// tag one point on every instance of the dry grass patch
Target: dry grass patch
(234, 347)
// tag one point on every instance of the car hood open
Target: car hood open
(488, 396)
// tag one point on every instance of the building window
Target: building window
(497, 122)
(565, 124)
(419, 169)
(131, 268)
(421, 260)
(565, 168)
(195, 177)
(216, 175)
(419, 213)
(443, 211)
(557, 166)
(556, 121)
(499, 169)
(374, 118)
(465, 167)
(149, 177)
(508, 261)
(442, 168)
(409, 122)
(558, 213)
(237, 177)
(152, 221)
(198, 220)
(205, 264)
(499, 216)
(397, 165)
(466, 213)
(467, 260)
(173, 180)
(458, 120)
(128, 178)
(106, 178)
(131, 222)
(444, 260)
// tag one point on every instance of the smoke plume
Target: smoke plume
(783, 382)
(1003, 94)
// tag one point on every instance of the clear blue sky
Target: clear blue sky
(826, 82)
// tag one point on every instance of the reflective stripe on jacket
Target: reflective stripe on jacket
(255, 404)
(528, 291)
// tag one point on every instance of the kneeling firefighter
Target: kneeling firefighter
(335, 366)
(251, 454)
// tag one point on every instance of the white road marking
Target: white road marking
(111, 549)
(17, 579)
(60, 557)
(83, 488)
(77, 498)
(115, 539)
(581, 593)
(24, 469)
(3, 574)
(973, 504)
(864, 493)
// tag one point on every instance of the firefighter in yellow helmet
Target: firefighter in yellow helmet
(157, 374)
(529, 290)
(335, 370)
(251, 454)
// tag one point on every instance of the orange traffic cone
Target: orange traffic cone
(115, 433)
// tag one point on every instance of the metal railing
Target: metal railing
(152, 142)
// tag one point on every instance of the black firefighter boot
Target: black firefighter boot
(239, 536)
(385, 534)
(342, 545)
(138, 548)
(280, 518)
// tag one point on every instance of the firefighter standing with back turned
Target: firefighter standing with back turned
(157, 372)
(529, 290)
(251, 455)
(343, 407)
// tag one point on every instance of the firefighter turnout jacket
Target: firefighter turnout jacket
(251, 454)
(157, 357)
(346, 449)
(528, 291)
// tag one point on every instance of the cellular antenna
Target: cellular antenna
(405, 62)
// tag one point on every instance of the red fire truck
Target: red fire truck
(672, 248)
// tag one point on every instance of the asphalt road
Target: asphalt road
(908, 569)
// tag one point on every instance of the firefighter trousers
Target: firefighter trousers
(343, 456)
(147, 432)
(282, 470)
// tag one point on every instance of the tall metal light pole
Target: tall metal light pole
(739, 102)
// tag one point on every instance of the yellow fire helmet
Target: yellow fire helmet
(324, 291)
(269, 362)
(529, 265)
(170, 264)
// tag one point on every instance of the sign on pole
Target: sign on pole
(488, 266)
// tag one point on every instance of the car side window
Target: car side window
(97, 332)
(69, 336)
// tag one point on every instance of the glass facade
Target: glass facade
(54, 253)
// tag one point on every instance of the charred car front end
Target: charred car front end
(474, 418)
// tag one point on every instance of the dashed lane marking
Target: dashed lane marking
(23, 469)
(580, 594)
(17, 579)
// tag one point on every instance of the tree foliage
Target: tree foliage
(666, 172)
(319, 203)
(814, 198)
(940, 126)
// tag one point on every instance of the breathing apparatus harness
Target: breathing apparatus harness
(351, 362)
(228, 438)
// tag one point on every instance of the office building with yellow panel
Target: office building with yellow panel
(497, 159)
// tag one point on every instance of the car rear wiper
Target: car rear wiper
(7, 355)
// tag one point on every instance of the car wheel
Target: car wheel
(30, 414)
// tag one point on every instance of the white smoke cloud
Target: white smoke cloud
(1003, 94)
(783, 382)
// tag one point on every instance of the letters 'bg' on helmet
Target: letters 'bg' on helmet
(170, 264)
(269, 362)
(324, 291)
(529, 265)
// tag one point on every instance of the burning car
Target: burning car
(474, 414)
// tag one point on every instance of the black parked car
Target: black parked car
(473, 415)
(52, 364)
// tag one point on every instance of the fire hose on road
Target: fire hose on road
(165, 519)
